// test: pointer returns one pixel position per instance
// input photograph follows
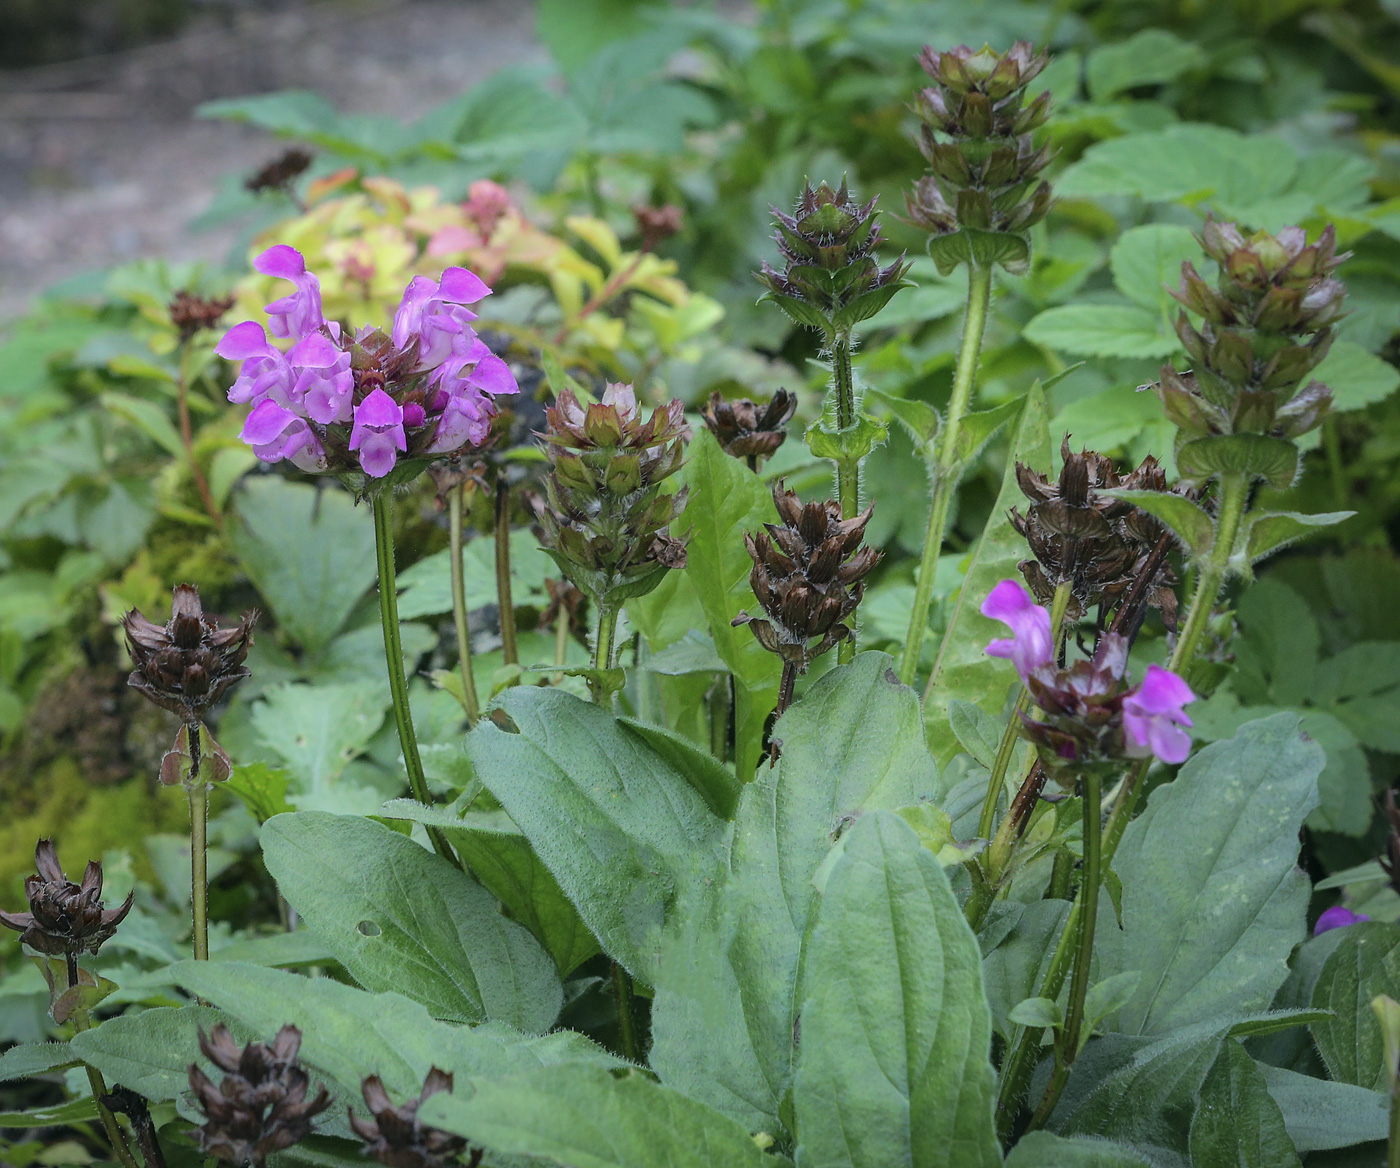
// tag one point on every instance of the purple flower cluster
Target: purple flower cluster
(334, 402)
(1088, 712)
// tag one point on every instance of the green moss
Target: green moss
(85, 821)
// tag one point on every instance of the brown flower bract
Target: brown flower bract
(64, 919)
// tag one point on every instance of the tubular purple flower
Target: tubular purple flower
(1152, 716)
(275, 433)
(1031, 646)
(325, 385)
(433, 312)
(266, 372)
(300, 313)
(378, 433)
(1337, 917)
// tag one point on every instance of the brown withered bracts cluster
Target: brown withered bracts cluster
(280, 172)
(748, 429)
(190, 313)
(189, 663)
(396, 1138)
(807, 575)
(261, 1105)
(1098, 544)
(64, 919)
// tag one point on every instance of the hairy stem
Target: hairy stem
(393, 654)
(459, 604)
(626, 1015)
(1068, 1047)
(509, 650)
(979, 291)
(199, 849)
(786, 688)
(847, 470)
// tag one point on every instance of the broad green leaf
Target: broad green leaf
(962, 668)
(308, 550)
(1264, 532)
(1043, 1149)
(499, 855)
(399, 917)
(693, 653)
(1320, 1114)
(715, 781)
(1237, 1123)
(618, 826)
(1213, 901)
(34, 1058)
(1153, 56)
(425, 589)
(148, 417)
(1189, 522)
(1365, 963)
(722, 1020)
(1014, 967)
(79, 1110)
(347, 1033)
(977, 731)
(893, 1064)
(1146, 258)
(1102, 330)
(588, 1117)
(1355, 376)
(979, 428)
(727, 500)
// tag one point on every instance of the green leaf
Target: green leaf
(727, 500)
(693, 653)
(1237, 1122)
(1102, 330)
(850, 444)
(1356, 376)
(1320, 1114)
(1146, 258)
(263, 789)
(425, 589)
(982, 248)
(1153, 56)
(317, 731)
(307, 550)
(151, 1051)
(147, 417)
(618, 826)
(962, 668)
(1189, 522)
(1014, 967)
(1264, 532)
(500, 856)
(979, 428)
(1253, 455)
(722, 1019)
(1043, 1149)
(1040, 1012)
(1107, 997)
(977, 731)
(399, 917)
(588, 1117)
(715, 781)
(1365, 963)
(1213, 902)
(893, 1065)
(917, 417)
(58, 1115)
(34, 1058)
(574, 30)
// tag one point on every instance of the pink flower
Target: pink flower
(1152, 716)
(1031, 646)
(300, 313)
(276, 433)
(378, 433)
(434, 312)
(325, 384)
(1337, 917)
(265, 371)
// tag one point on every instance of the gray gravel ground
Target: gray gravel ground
(101, 160)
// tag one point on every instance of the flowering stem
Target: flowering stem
(1234, 493)
(785, 689)
(182, 406)
(979, 292)
(607, 632)
(199, 849)
(509, 650)
(393, 653)
(1088, 904)
(459, 604)
(847, 470)
(115, 1136)
(626, 1020)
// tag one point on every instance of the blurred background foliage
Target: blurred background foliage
(121, 471)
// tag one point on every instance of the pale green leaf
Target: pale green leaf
(1146, 259)
(1043, 1149)
(1102, 330)
(1365, 963)
(1153, 56)
(1356, 377)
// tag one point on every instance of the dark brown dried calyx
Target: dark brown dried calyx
(749, 429)
(280, 172)
(1098, 544)
(64, 919)
(807, 575)
(189, 663)
(656, 224)
(395, 1136)
(190, 313)
(261, 1105)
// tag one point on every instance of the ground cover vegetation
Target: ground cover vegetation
(618, 487)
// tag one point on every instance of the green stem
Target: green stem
(510, 653)
(1088, 902)
(115, 1136)
(1234, 493)
(603, 640)
(626, 1017)
(382, 506)
(561, 638)
(979, 291)
(1392, 1158)
(199, 849)
(459, 604)
(847, 470)
(721, 704)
